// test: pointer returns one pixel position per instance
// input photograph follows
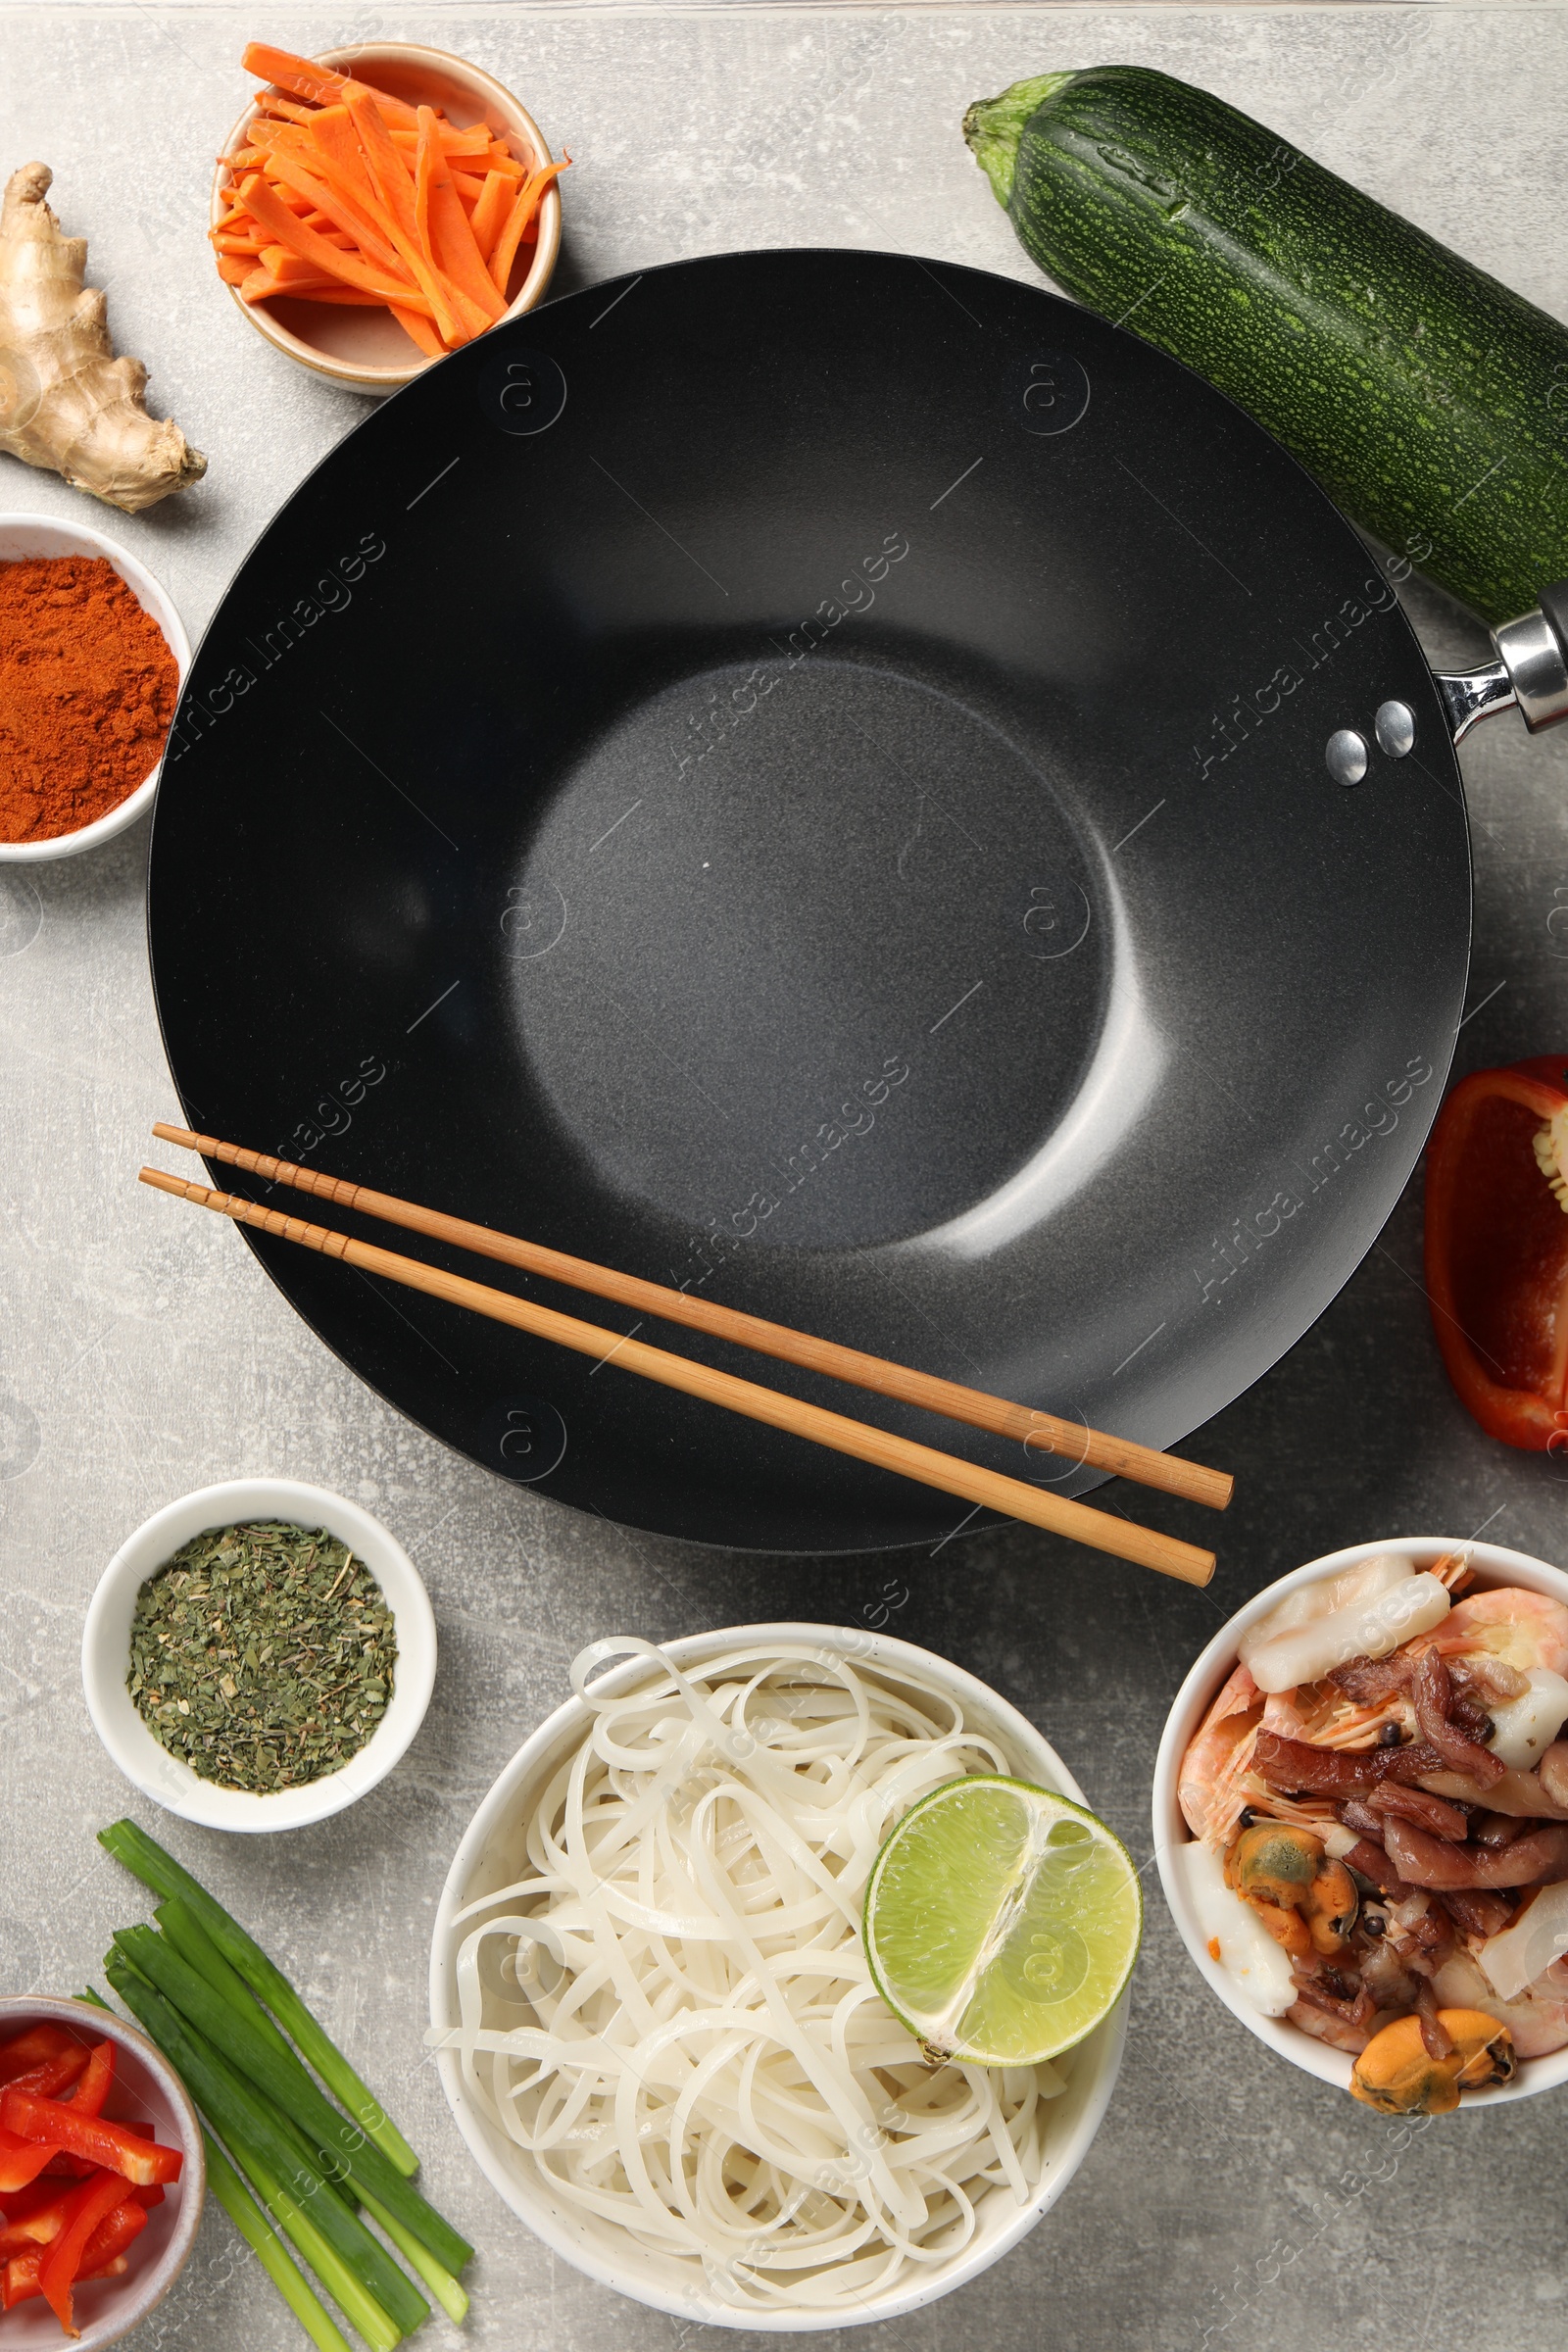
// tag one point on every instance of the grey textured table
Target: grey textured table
(142, 1353)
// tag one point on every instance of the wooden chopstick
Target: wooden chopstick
(1003, 1419)
(858, 1439)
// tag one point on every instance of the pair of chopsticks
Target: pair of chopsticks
(988, 1488)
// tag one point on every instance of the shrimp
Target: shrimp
(1537, 2019)
(1323, 2026)
(1208, 1785)
(1525, 1628)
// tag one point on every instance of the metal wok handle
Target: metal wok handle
(1530, 674)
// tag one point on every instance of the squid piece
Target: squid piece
(1366, 1613)
(1291, 1764)
(1427, 1861)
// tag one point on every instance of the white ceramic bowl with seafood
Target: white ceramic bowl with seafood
(106, 1654)
(22, 535)
(490, 1856)
(1493, 1567)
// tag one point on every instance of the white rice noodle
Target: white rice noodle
(671, 2016)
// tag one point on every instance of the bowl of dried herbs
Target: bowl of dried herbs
(258, 1654)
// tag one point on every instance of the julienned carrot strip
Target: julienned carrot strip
(337, 159)
(426, 162)
(282, 228)
(274, 102)
(348, 297)
(517, 219)
(453, 141)
(287, 265)
(385, 165)
(339, 206)
(488, 215)
(456, 253)
(307, 79)
(422, 330)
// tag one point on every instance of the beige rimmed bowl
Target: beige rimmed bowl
(146, 2090)
(366, 349)
(491, 1855)
(1493, 1566)
(22, 535)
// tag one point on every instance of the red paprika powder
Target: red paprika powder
(87, 689)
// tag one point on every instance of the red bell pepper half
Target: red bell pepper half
(1496, 1248)
(54, 2123)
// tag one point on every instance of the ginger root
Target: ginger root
(65, 402)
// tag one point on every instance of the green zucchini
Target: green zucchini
(1429, 400)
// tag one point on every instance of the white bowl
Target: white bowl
(489, 1857)
(1493, 1566)
(106, 1654)
(41, 535)
(146, 2090)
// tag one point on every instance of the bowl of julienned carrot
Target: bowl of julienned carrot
(377, 207)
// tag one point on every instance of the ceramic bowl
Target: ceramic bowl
(105, 1655)
(146, 2089)
(1493, 1566)
(41, 535)
(366, 349)
(489, 1857)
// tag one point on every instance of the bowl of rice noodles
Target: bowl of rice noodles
(655, 2023)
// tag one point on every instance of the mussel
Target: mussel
(1396, 2075)
(1306, 1900)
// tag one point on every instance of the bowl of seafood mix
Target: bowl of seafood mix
(1360, 1811)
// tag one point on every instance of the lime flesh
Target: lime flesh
(1002, 1921)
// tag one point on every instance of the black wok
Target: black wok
(810, 774)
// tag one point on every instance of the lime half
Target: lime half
(1002, 1921)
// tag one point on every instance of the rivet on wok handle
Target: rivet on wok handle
(1345, 756)
(1394, 729)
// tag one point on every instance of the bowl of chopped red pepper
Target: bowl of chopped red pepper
(92, 653)
(102, 2174)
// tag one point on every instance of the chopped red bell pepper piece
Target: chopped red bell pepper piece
(90, 2204)
(19, 2281)
(22, 2160)
(54, 2123)
(114, 2233)
(17, 2203)
(51, 2075)
(94, 2087)
(38, 2227)
(32, 2047)
(1496, 1248)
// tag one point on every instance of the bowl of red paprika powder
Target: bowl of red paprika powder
(92, 655)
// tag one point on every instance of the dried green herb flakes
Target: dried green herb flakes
(262, 1655)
